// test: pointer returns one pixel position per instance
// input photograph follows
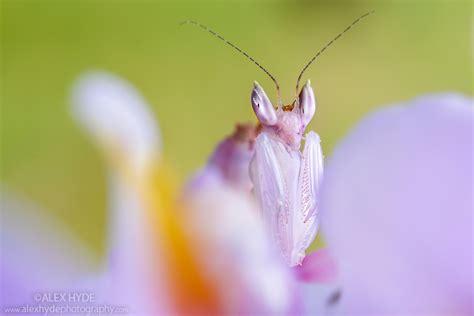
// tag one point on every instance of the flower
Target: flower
(206, 251)
(203, 251)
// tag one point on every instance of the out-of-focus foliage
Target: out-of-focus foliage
(198, 86)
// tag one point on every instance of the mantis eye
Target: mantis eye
(307, 103)
(262, 106)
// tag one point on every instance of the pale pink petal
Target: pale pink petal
(121, 123)
(38, 252)
(235, 252)
(397, 205)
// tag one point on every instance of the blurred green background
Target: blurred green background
(198, 87)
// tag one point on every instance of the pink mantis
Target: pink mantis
(285, 180)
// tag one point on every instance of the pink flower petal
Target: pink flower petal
(398, 209)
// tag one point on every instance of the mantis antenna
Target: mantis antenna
(326, 46)
(240, 51)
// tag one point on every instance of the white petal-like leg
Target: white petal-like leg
(270, 187)
(307, 222)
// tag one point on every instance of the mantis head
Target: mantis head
(286, 123)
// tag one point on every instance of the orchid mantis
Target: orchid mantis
(285, 180)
